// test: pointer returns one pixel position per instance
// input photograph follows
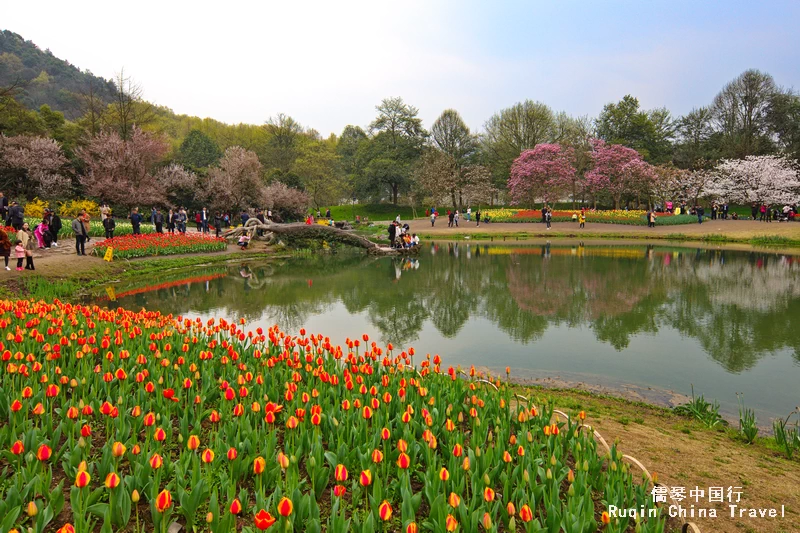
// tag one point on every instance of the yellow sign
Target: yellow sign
(111, 294)
(109, 254)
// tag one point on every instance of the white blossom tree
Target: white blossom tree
(41, 164)
(766, 179)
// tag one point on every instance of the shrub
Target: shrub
(35, 208)
(72, 208)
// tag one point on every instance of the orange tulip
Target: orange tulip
(82, 479)
(163, 501)
(285, 507)
(193, 443)
(454, 500)
(156, 461)
(112, 480)
(412, 528)
(340, 473)
(118, 449)
(283, 460)
(488, 494)
(450, 523)
(208, 456)
(605, 518)
(385, 511)
(444, 475)
(525, 513)
(44, 452)
(404, 461)
(259, 465)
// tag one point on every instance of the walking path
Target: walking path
(734, 229)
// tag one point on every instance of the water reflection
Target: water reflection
(739, 307)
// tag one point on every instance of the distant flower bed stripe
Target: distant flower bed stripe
(129, 246)
(633, 217)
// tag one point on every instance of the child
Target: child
(40, 232)
(20, 252)
(582, 219)
(244, 240)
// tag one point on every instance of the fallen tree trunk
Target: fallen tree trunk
(271, 232)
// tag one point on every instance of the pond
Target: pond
(648, 320)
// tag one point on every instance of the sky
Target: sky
(328, 64)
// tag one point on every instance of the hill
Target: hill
(45, 79)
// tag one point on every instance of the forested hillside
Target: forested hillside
(44, 79)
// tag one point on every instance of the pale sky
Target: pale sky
(328, 63)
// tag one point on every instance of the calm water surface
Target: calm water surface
(619, 316)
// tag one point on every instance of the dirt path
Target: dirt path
(684, 454)
(736, 229)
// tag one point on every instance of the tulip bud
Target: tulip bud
(135, 496)
(312, 462)
(512, 524)
(293, 459)
(486, 480)
(526, 477)
(585, 466)
(571, 490)
(553, 460)
(578, 447)
(210, 517)
(180, 438)
(32, 509)
(530, 437)
(613, 466)
(478, 451)
(549, 474)
(490, 436)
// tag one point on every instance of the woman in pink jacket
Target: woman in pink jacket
(40, 231)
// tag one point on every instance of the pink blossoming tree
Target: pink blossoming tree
(40, 164)
(618, 170)
(545, 173)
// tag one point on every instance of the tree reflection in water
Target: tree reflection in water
(739, 306)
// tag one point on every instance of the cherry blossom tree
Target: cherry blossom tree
(236, 182)
(125, 172)
(288, 203)
(181, 185)
(36, 164)
(545, 172)
(618, 170)
(766, 179)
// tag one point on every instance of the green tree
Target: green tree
(741, 111)
(695, 139)
(512, 130)
(784, 121)
(279, 153)
(649, 133)
(198, 150)
(451, 135)
(316, 166)
(388, 158)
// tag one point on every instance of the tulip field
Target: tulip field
(130, 421)
(632, 217)
(152, 244)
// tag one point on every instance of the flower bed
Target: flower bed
(96, 229)
(129, 246)
(146, 418)
(611, 216)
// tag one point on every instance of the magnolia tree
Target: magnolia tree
(765, 179)
(478, 187)
(286, 202)
(125, 172)
(545, 172)
(36, 166)
(618, 170)
(236, 182)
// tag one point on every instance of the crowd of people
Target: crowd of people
(399, 236)
(454, 216)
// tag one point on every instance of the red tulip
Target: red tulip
(366, 478)
(340, 473)
(525, 513)
(82, 479)
(404, 461)
(112, 480)
(385, 511)
(264, 520)
(17, 448)
(259, 465)
(44, 452)
(236, 506)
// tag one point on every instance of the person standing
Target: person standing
(204, 220)
(5, 247)
(433, 218)
(182, 219)
(158, 220)
(19, 251)
(55, 227)
(136, 221)
(548, 216)
(4, 212)
(469, 214)
(478, 217)
(153, 212)
(455, 218)
(171, 221)
(16, 216)
(41, 229)
(392, 233)
(328, 213)
(700, 212)
(108, 226)
(28, 242)
(450, 216)
(763, 210)
(397, 219)
(105, 212)
(245, 217)
(725, 211)
(217, 223)
(582, 218)
(544, 213)
(80, 235)
(87, 226)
